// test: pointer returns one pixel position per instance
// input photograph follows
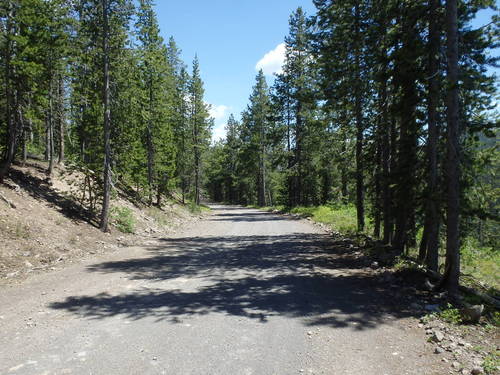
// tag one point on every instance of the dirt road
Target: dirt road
(243, 292)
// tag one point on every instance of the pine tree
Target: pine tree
(430, 239)
(341, 52)
(294, 98)
(255, 123)
(157, 84)
(200, 126)
(22, 67)
(107, 118)
(451, 278)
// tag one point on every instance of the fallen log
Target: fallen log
(11, 205)
(464, 289)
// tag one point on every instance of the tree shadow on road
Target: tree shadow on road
(252, 216)
(300, 276)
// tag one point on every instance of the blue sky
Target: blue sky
(232, 39)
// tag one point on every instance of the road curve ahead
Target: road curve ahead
(241, 292)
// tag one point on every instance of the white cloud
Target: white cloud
(218, 132)
(218, 112)
(272, 61)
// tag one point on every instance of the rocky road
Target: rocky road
(242, 292)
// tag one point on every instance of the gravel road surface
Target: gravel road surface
(241, 292)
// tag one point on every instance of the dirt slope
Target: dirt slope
(48, 228)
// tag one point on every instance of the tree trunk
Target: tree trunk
(261, 181)
(196, 165)
(344, 171)
(385, 138)
(422, 249)
(360, 193)
(107, 122)
(61, 118)
(386, 183)
(10, 151)
(25, 146)
(150, 146)
(262, 169)
(378, 189)
(298, 150)
(406, 72)
(149, 141)
(432, 215)
(291, 191)
(451, 278)
(50, 130)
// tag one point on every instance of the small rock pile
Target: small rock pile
(453, 346)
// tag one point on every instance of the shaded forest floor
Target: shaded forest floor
(43, 226)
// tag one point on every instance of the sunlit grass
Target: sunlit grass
(482, 262)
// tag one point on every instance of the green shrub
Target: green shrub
(123, 219)
(492, 362)
(451, 315)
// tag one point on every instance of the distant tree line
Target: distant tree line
(386, 105)
(93, 84)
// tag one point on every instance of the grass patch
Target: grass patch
(159, 216)
(341, 218)
(21, 231)
(197, 208)
(123, 219)
(481, 262)
(495, 318)
(492, 362)
(15, 231)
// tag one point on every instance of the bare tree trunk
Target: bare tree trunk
(26, 137)
(46, 155)
(407, 148)
(262, 178)
(378, 187)
(360, 188)
(343, 171)
(158, 193)
(451, 278)
(291, 192)
(386, 152)
(50, 130)
(432, 215)
(150, 146)
(385, 139)
(298, 148)
(149, 141)
(422, 249)
(61, 118)
(107, 121)
(196, 165)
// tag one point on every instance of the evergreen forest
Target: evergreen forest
(385, 113)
